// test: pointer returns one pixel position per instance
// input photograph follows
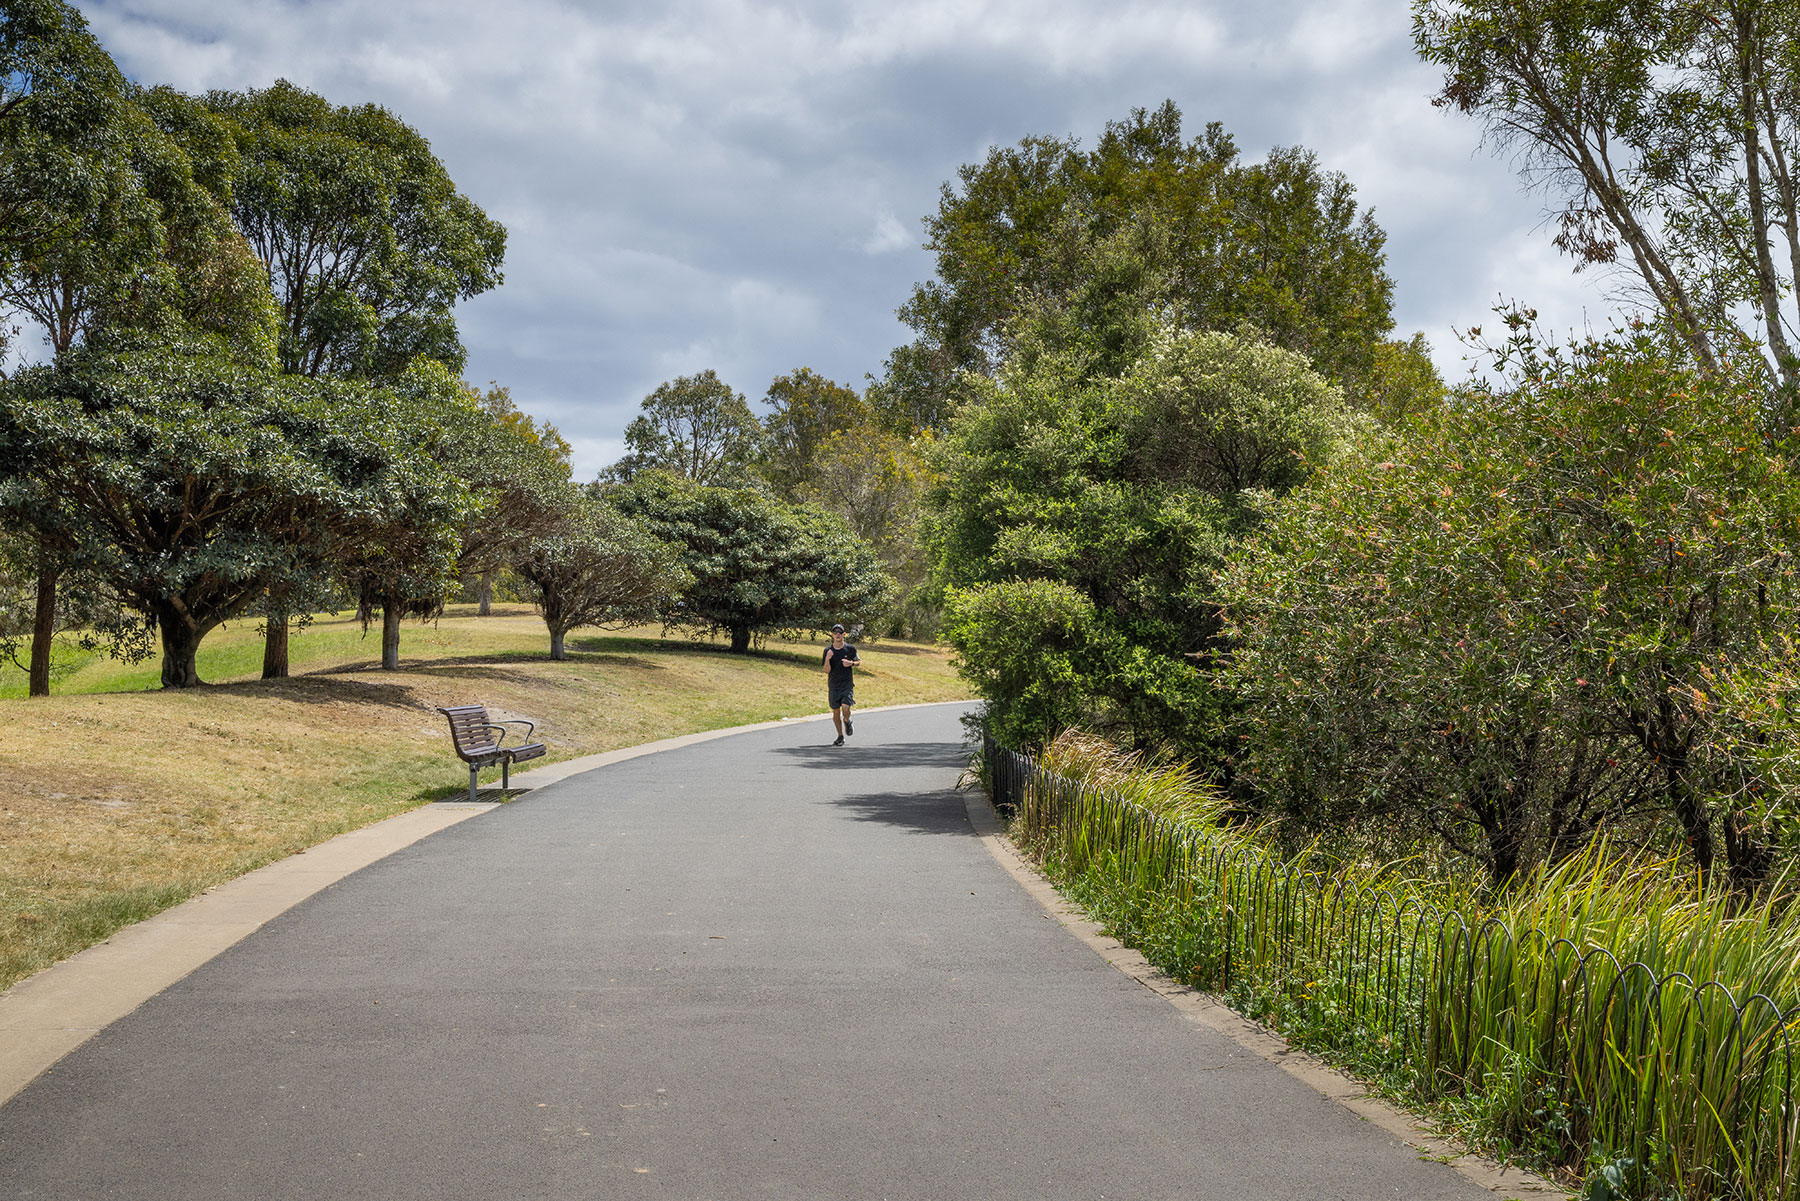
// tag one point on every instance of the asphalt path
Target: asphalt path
(757, 967)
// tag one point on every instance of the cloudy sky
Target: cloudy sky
(739, 185)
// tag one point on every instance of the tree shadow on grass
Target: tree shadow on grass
(473, 667)
(319, 688)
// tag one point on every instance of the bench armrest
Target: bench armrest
(500, 727)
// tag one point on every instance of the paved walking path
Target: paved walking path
(756, 967)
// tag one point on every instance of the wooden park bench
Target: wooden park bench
(478, 742)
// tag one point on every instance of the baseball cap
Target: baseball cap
(837, 629)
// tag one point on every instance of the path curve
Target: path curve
(754, 967)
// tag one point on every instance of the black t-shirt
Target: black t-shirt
(836, 658)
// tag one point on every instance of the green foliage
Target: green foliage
(61, 105)
(367, 242)
(876, 481)
(599, 567)
(1024, 645)
(435, 507)
(1123, 493)
(696, 427)
(1606, 1017)
(1503, 629)
(1664, 131)
(830, 446)
(119, 229)
(188, 483)
(758, 565)
(1281, 245)
(806, 409)
(1401, 381)
(517, 472)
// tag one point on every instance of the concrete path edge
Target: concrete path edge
(47, 1015)
(1502, 1181)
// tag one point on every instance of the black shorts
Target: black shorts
(842, 694)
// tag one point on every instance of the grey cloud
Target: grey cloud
(739, 185)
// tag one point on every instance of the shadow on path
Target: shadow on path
(877, 757)
(920, 812)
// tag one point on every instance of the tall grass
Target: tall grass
(1607, 1018)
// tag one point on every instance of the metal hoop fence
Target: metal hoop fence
(1680, 1087)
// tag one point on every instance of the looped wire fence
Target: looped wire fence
(1679, 1087)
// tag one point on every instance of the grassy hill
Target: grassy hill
(123, 799)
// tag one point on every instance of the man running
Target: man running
(840, 689)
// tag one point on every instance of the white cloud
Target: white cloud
(889, 235)
(737, 184)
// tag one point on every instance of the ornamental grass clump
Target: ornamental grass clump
(1608, 1017)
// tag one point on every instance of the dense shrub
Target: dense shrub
(1501, 630)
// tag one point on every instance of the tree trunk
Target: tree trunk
(275, 646)
(740, 639)
(486, 594)
(180, 643)
(43, 630)
(390, 636)
(556, 646)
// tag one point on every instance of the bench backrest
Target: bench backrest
(469, 729)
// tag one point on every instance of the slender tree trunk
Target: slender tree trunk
(275, 646)
(740, 639)
(556, 646)
(390, 636)
(43, 630)
(180, 644)
(486, 594)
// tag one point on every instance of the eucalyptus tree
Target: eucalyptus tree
(600, 568)
(368, 247)
(805, 410)
(697, 427)
(1665, 134)
(1282, 244)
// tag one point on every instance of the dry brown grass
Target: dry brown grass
(122, 803)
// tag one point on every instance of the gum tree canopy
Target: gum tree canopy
(1666, 133)
(1280, 244)
(368, 243)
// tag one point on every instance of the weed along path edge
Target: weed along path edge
(754, 966)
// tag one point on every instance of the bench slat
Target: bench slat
(473, 736)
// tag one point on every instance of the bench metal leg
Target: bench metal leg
(472, 770)
(504, 781)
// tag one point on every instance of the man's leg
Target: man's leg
(848, 728)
